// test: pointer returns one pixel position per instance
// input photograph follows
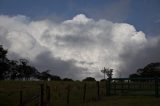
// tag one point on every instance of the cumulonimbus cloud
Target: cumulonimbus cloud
(89, 44)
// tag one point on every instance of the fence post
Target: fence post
(122, 87)
(115, 87)
(48, 94)
(128, 85)
(68, 95)
(42, 95)
(21, 100)
(98, 90)
(84, 93)
(156, 87)
(108, 87)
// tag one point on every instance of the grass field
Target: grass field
(10, 94)
(10, 91)
(126, 101)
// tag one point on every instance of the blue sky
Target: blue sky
(143, 14)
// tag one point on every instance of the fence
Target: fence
(73, 93)
(134, 86)
(20, 93)
(39, 97)
(63, 93)
(49, 93)
(87, 92)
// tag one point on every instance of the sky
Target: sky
(77, 38)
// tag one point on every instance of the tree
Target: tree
(4, 64)
(109, 72)
(89, 79)
(55, 78)
(30, 72)
(3, 54)
(13, 69)
(104, 71)
(4, 70)
(134, 76)
(26, 71)
(45, 75)
(67, 79)
(150, 70)
(22, 68)
(103, 80)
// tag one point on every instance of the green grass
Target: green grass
(10, 94)
(10, 91)
(126, 101)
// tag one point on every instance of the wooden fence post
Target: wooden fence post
(156, 87)
(84, 93)
(128, 85)
(122, 87)
(42, 95)
(48, 95)
(98, 90)
(21, 99)
(115, 88)
(108, 87)
(68, 94)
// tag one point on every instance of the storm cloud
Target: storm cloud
(78, 47)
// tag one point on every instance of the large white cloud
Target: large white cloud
(91, 44)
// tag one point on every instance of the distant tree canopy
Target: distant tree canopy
(103, 80)
(151, 70)
(134, 76)
(108, 72)
(45, 75)
(89, 79)
(67, 79)
(20, 70)
(3, 53)
(4, 64)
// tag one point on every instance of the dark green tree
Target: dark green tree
(150, 70)
(13, 73)
(67, 79)
(134, 76)
(3, 54)
(104, 71)
(109, 72)
(25, 71)
(89, 79)
(55, 78)
(45, 75)
(4, 64)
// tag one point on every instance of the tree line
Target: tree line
(149, 71)
(22, 70)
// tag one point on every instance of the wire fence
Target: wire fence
(62, 93)
(134, 86)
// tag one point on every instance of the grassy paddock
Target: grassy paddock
(10, 94)
(126, 101)
(10, 91)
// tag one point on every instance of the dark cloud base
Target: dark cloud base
(46, 61)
